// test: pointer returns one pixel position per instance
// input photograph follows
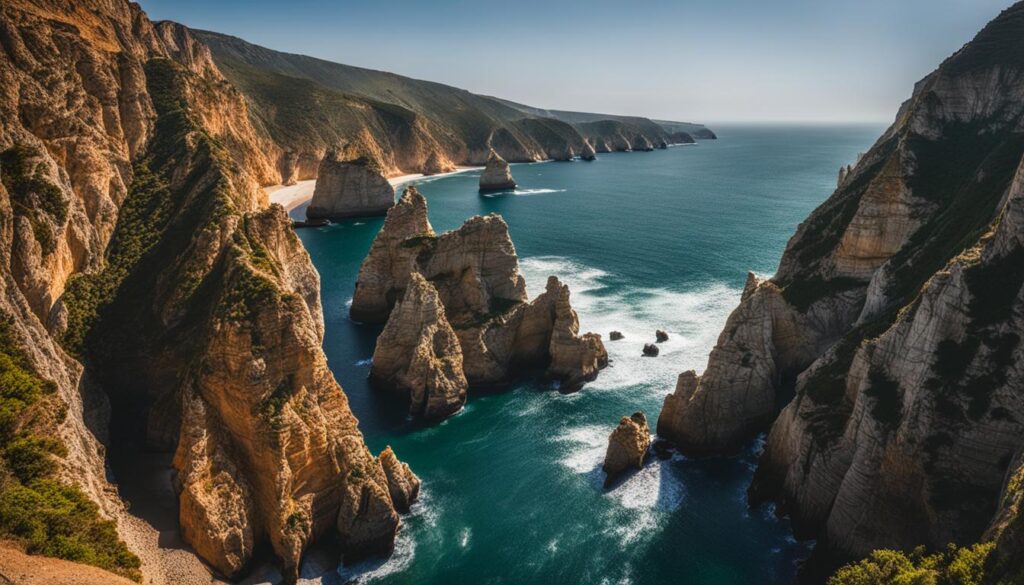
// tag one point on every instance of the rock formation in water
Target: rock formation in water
(627, 447)
(136, 245)
(616, 335)
(660, 336)
(403, 484)
(496, 175)
(651, 350)
(895, 320)
(588, 152)
(418, 354)
(350, 187)
(474, 272)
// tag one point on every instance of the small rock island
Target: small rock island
(496, 175)
(627, 447)
(350, 187)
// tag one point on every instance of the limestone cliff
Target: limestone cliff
(418, 354)
(474, 273)
(894, 320)
(136, 235)
(496, 175)
(350, 187)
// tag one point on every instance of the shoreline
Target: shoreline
(292, 196)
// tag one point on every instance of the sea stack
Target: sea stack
(350, 188)
(418, 354)
(627, 447)
(588, 152)
(496, 175)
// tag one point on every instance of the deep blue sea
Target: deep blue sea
(512, 487)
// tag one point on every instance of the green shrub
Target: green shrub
(32, 195)
(29, 457)
(954, 566)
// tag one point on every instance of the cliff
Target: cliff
(889, 337)
(474, 273)
(350, 187)
(148, 289)
(406, 124)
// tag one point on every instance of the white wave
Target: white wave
(693, 320)
(522, 192)
(363, 363)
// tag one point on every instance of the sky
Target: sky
(690, 60)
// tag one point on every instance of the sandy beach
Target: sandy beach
(292, 196)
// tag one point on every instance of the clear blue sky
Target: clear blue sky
(700, 60)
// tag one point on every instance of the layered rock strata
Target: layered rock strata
(350, 187)
(627, 447)
(466, 280)
(894, 320)
(136, 232)
(418, 354)
(496, 175)
(588, 152)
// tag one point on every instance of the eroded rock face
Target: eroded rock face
(474, 272)
(588, 152)
(418, 354)
(496, 175)
(627, 447)
(403, 484)
(641, 143)
(894, 318)
(350, 188)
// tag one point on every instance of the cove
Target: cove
(648, 240)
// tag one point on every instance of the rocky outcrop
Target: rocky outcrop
(651, 350)
(418, 354)
(403, 484)
(627, 447)
(894, 322)
(588, 152)
(616, 335)
(436, 164)
(350, 187)
(641, 143)
(474, 271)
(496, 175)
(660, 336)
(682, 138)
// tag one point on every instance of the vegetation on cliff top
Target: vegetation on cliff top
(954, 566)
(37, 509)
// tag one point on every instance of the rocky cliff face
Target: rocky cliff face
(496, 175)
(418, 354)
(137, 237)
(627, 447)
(473, 272)
(894, 319)
(350, 187)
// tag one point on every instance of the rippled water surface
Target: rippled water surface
(660, 240)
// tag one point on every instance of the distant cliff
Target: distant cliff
(408, 124)
(884, 358)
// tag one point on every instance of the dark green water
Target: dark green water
(512, 485)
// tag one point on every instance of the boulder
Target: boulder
(651, 350)
(660, 335)
(350, 188)
(616, 335)
(496, 175)
(627, 447)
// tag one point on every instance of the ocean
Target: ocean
(512, 486)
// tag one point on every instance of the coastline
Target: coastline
(292, 196)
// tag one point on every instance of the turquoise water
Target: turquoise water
(660, 240)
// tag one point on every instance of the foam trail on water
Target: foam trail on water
(693, 320)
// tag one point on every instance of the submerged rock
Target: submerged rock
(651, 350)
(660, 335)
(616, 335)
(496, 175)
(350, 188)
(418, 354)
(627, 447)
